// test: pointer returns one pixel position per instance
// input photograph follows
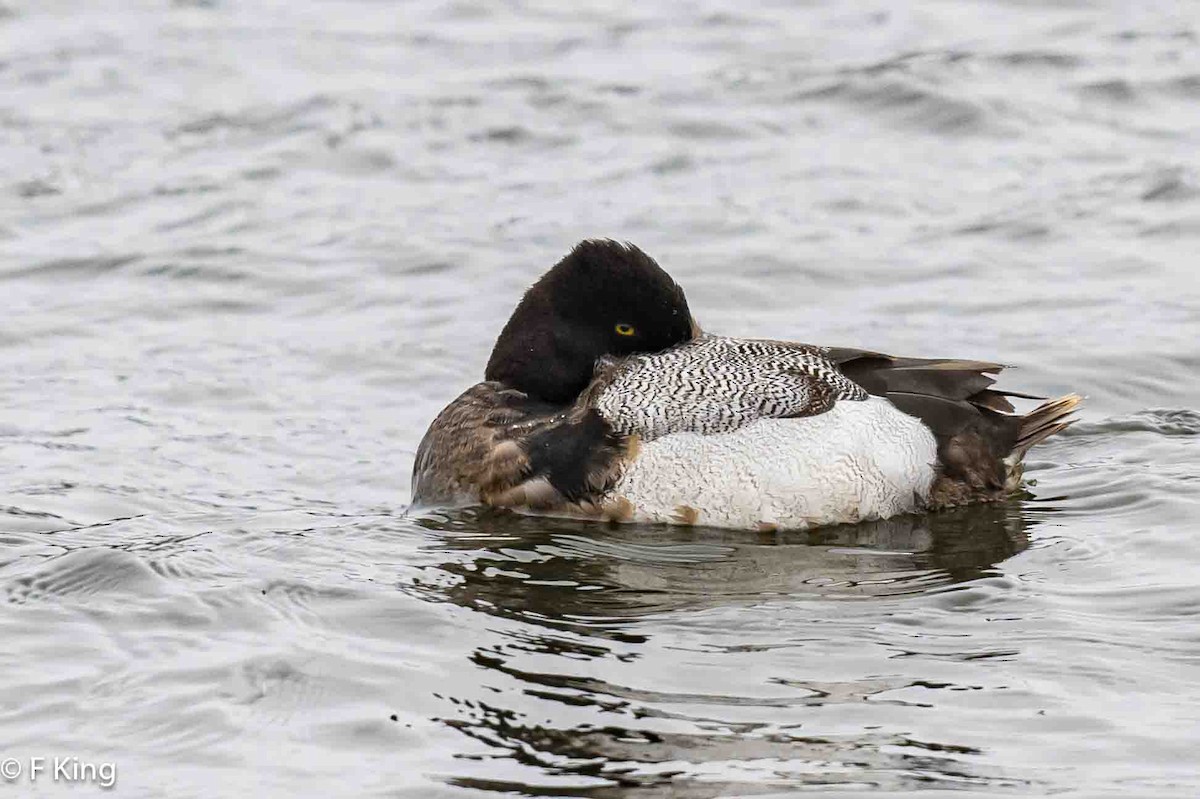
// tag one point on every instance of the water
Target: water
(248, 250)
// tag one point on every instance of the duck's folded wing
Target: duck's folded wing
(950, 392)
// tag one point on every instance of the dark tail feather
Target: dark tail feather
(1042, 422)
(981, 437)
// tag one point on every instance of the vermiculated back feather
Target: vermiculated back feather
(714, 384)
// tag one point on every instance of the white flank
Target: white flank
(860, 460)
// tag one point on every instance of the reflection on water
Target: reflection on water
(546, 569)
(581, 595)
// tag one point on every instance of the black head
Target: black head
(604, 298)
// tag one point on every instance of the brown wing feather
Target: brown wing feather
(949, 395)
(981, 438)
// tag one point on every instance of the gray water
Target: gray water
(248, 250)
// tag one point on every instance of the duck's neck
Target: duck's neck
(541, 355)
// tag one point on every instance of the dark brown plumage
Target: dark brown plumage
(497, 446)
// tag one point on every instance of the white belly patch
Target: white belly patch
(860, 460)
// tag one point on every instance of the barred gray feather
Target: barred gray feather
(714, 384)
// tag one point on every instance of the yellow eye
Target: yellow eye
(625, 330)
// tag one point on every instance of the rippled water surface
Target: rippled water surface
(248, 250)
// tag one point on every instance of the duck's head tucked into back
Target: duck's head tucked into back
(604, 299)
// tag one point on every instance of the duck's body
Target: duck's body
(716, 431)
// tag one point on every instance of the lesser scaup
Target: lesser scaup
(602, 398)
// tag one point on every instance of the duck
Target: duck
(603, 399)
